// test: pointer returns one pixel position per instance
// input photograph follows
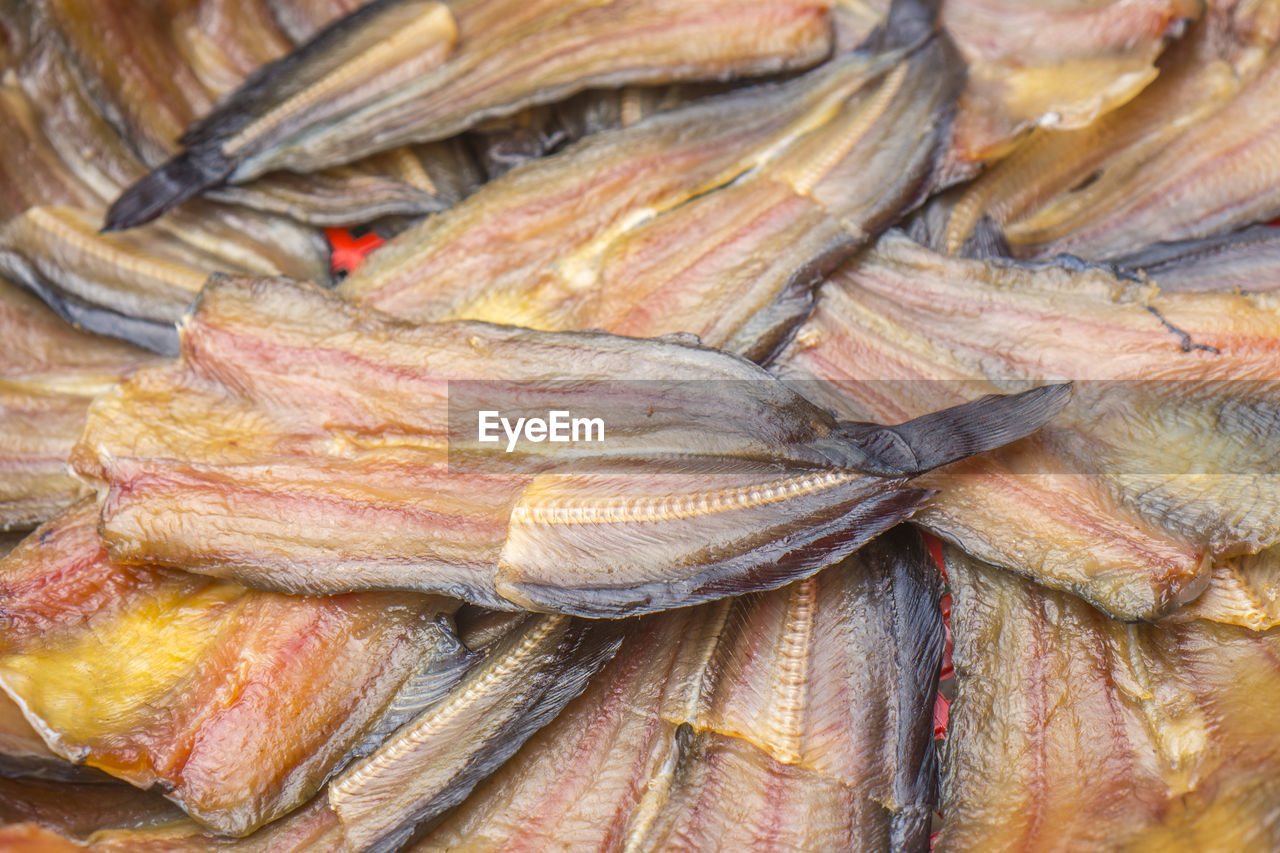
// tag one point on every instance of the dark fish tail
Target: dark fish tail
(940, 438)
(184, 176)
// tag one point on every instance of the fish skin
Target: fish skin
(793, 719)
(481, 531)
(572, 47)
(1105, 735)
(133, 286)
(437, 759)
(1096, 481)
(208, 663)
(662, 243)
(1247, 261)
(1151, 170)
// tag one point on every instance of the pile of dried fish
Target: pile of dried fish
(872, 327)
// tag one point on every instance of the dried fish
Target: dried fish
(733, 482)
(1247, 261)
(402, 71)
(48, 374)
(1070, 731)
(793, 719)
(62, 816)
(716, 219)
(1159, 464)
(1243, 591)
(434, 762)
(236, 704)
(1058, 65)
(1185, 159)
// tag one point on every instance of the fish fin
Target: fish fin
(940, 438)
(988, 242)
(908, 23)
(184, 176)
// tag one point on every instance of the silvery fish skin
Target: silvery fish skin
(706, 448)
(797, 719)
(1185, 159)
(432, 764)
(49, 372)
(1099, 503)
(1070, 731)
(716, 219)
(1246, 261)
(236, 704)
(404, 71)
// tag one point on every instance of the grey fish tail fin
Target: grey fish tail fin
(184, 176)
(908, 23)
(940, 438)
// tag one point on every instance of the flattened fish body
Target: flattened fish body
(716, 219)
(1191, 156)
(793, 719)
(1072, 731)
(340, 445)
(403, 71)
(1125, 495)
(236, 704)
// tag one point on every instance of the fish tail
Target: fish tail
(184, 176)
(908, 23)
(940, 438)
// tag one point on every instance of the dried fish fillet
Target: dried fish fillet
(38, 428)
(792, 719)
(48, 374)
(1124, 497)
(716, 219)
(1191, 156)
(1070, 731)
(343, 473)
(311, 829)
(1247, 261)
(433, 763)
(302, 19)
(135, 286)
(1055, 65)
(403, 71)
(236, 704)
